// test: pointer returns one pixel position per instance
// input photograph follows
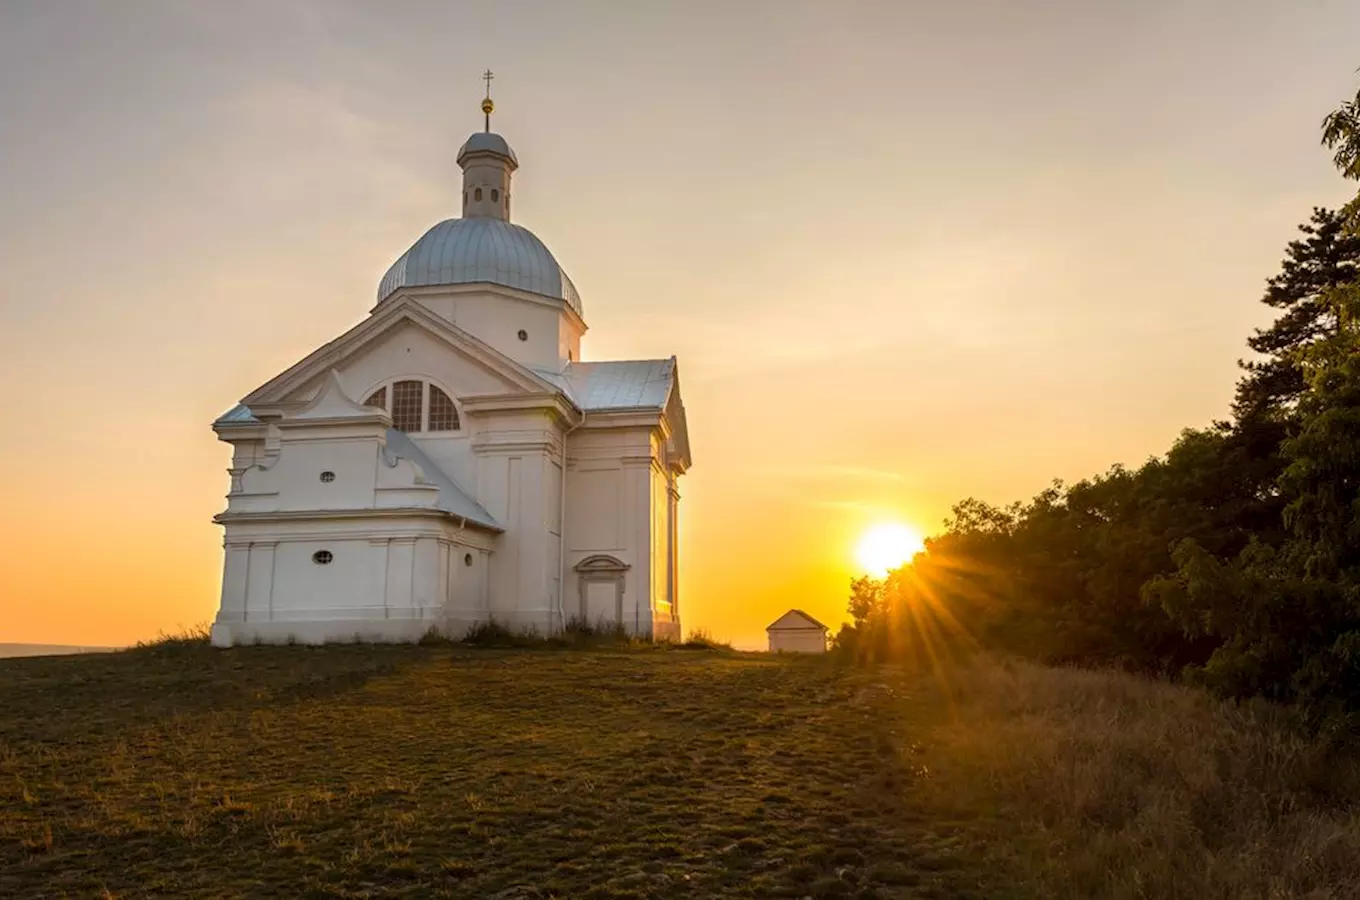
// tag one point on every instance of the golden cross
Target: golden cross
(487, 105)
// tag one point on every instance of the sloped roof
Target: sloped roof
(452, 498)
(621, 384)
(794, 625)
(239, 414)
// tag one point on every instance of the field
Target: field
(354, 771)
(389, 771)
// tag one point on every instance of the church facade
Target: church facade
(451, 459)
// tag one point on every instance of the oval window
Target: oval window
(327, 477)
(322, 557)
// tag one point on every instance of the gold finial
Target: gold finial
(487, 105)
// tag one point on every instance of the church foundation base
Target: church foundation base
(369, 631)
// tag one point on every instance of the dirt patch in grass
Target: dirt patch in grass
(435, 771)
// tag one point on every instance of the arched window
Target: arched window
(477, 194)
(406, 403)
(443, 414)
(495, 196)
(416, 406)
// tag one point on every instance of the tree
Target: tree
(1341, 134)
(1326, 257)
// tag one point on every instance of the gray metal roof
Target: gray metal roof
(481, 249)
(622, 384)
(486, 141)
(239, 414)
(452, 498)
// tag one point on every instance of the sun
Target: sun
(886, 547)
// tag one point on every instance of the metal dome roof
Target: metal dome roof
(487, 142)
(481, 249)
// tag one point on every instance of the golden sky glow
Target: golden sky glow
(905, 252)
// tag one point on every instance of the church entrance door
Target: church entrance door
(601, 578)
(602, 606)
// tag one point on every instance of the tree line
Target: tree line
(1232, 560)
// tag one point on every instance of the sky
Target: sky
(906, 253)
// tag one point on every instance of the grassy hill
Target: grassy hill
(9, 651)
(354, 771)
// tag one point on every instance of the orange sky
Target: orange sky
(905, 253)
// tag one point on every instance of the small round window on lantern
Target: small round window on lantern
(467, 559)
(523, 335)
(322, 557)
(327, 477)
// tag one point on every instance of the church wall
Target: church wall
(568, 340)
(497, 320)
(300, 464)
(410, 350)
(665, 621)
(387, 580)
(613, 509)
(516, 456)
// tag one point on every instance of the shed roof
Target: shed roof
(452, 499)
(790, 621)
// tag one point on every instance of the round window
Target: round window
(327, 477)
(322, 557)
(523, 335)
(467, 559)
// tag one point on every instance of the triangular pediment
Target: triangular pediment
(492, 371)
(332, 403)
(795, 620)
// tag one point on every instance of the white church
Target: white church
(452, 459)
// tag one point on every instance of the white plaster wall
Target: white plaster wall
(797, 640)
(411, 350)
(616, 505)
(390, 579)
(497, 318)
(516, 454)
(569, 335)
(487, 173)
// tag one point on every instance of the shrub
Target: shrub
(187, 637)
(702, 639)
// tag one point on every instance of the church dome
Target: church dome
(486, 142)
(481, 250)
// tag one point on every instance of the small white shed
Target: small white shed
(797, 632)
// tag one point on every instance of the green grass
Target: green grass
(535, 771)
(363, 771)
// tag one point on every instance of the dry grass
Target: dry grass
(1100, 785)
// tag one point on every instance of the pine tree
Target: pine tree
(1327, 257)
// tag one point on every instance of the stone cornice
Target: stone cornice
(231, 432)
(553, 402)
(623, 418)
(228, 517)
